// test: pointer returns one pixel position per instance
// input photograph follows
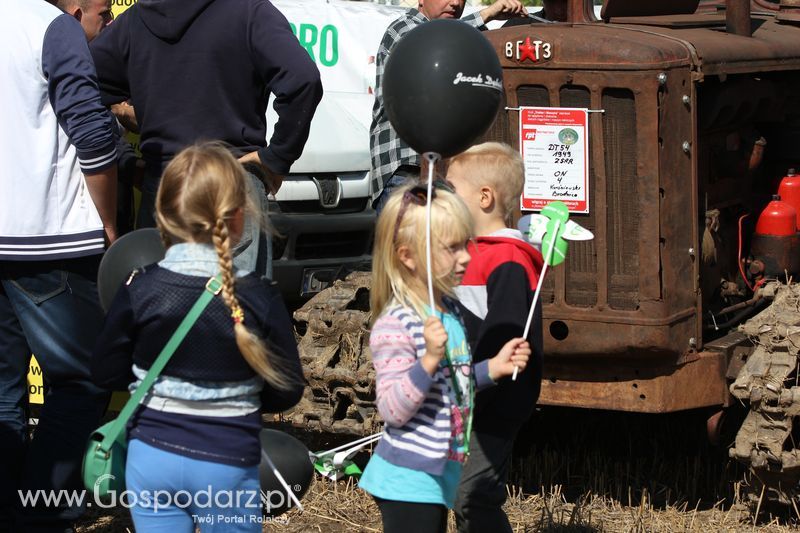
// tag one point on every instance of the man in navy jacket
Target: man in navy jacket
(57, 207)
(203, 70)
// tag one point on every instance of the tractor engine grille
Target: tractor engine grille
(620, 248)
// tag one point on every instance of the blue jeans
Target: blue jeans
(171, 493)
(403, 175)
(254, 254)
(51, 307)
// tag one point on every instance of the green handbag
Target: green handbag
(104, 461)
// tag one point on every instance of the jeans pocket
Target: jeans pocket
(41, 286)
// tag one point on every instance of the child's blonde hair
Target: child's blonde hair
(450, 222)
(500, 167)
(202, 187)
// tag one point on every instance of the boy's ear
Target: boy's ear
(487, 197)
(406, 257)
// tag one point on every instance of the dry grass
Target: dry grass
(573, 471)
(339, 507)
(342, 507)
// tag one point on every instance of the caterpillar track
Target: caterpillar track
(768, 440)
(333, 342)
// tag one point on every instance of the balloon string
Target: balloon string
(280, 480)
(538, 289)
(431, 157)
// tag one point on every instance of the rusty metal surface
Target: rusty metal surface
(765, 5)
(789, 11)
(594, 46)
(636, 8)
(631, 291)
(755, 5)
(627, 386)
(737, 17)
(780, 255)
(662, 42)
(772, 46)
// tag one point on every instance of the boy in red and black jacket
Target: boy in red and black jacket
(495, 297)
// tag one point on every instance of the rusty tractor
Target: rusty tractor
(685, 298)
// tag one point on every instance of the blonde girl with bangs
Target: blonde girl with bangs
(425, 379)
(198, 430)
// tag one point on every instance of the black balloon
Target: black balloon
(442, 87)
(131, 251)
(291, 459)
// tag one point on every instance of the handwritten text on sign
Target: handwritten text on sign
(554, 146)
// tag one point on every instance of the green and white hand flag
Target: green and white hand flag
(551, 226)
(549, 231)
(337, 463)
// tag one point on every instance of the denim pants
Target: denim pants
(254, 251)
(171, 493)
(52, 309)
(403, 175)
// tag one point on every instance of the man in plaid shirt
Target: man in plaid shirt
(393, 161)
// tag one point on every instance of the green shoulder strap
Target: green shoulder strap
(213, 287)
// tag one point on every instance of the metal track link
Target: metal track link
(768, 384)
(334, 350)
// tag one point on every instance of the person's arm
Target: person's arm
(102, 186)
(75, 97)
(111, 364)
(499, 10)
(109, 51)
(282, 347)
(292, 77)
(401, 381)
(509, 296)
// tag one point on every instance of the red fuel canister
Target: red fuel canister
(789, 191)
(778, 219)
(776, 242)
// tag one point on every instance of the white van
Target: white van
(322, 211)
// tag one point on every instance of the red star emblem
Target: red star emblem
(527, 51)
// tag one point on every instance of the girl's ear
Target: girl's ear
(487, 197)
(407, 258)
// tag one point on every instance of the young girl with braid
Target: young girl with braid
(193, 446)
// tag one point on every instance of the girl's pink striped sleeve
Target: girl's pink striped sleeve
(401, 382)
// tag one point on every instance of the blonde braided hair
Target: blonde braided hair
(202, 187)
(252, 348)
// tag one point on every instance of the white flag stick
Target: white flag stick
(282, 481)
(538, 289)
(370, 438)
(431, 157)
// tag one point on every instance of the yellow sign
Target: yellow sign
(36, 388)
(119, 6)
(35, 382)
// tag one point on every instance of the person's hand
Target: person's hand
(514, 353)
(435, 344)
(126, 116)
(272, 180)
(503, 10)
